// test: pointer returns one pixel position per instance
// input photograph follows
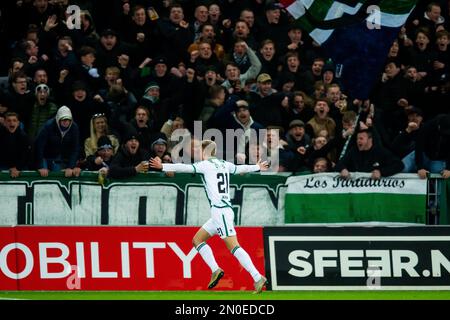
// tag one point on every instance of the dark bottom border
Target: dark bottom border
(279, 309)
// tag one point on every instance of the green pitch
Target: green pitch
(226, 295)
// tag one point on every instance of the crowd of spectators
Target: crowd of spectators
(108, 94)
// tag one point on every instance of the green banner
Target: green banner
(326, 198)
(155, 199)
(147, 199)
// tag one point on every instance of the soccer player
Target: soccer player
(216, 177)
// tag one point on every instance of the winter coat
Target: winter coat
(54, 143)
(16, 149)
(124, 163)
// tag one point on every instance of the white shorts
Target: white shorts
(221, 222)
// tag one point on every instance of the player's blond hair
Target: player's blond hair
(209, 148)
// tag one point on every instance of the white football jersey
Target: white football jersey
(216, 178)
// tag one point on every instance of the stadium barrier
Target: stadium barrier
(118, 258)
(326, 198)
(336, 257)
(258, 200)
(358, 258)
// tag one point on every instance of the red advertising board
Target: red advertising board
(7, 261)
(119, 258)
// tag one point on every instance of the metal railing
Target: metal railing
(434, 187)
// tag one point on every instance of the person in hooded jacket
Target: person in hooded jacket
(57, 145)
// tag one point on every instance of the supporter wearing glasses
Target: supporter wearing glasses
(19, 97)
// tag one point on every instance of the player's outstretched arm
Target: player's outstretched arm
(156, 163)
(260, 166)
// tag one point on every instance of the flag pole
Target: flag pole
(347, 142)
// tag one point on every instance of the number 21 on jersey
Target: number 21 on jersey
(222, 183)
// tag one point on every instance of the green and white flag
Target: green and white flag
(320, 17)
(355, 34)
(326, 198)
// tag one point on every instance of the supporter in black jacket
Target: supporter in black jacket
(297, 137)
(269, 58)
(109, 48)
(175, 35)
(433, 147)
(83, 107)
(160, 73)
(15, 144)
(266, 103)
(130, 159)
(161, 109)
(102, 157)
(143, 125)
(139, 32)
(273, 24)
(404, 144)
(19, 98)
(367, 157)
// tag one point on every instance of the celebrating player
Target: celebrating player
(216, 177)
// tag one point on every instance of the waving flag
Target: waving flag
(357, 34)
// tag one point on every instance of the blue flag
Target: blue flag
(356, 34)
